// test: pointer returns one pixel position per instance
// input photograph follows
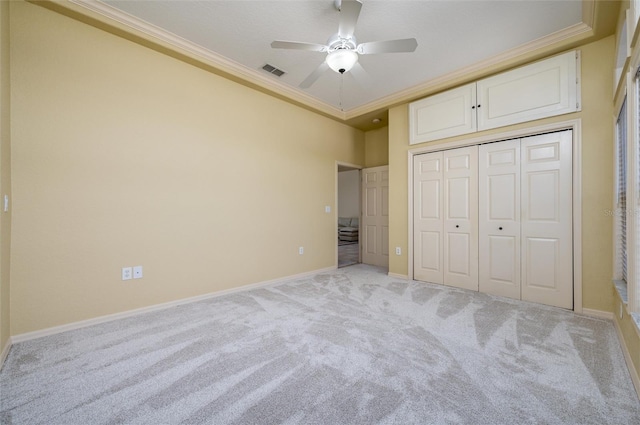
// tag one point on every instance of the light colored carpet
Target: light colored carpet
(352, 346)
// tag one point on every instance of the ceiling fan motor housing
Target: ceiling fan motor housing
(335, 42)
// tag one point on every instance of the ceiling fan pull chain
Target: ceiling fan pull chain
(341, 91)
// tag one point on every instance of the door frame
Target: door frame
(335, 209)
(576, 127)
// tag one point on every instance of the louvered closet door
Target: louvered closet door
(499, 218)
(428, 217)
(547, 246)
(461, 218)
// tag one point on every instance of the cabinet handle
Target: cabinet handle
(499, 228)
(473, 107)
(479, 106)
(457, 225)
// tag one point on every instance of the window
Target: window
(621, 195)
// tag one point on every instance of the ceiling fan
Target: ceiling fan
(342, 49)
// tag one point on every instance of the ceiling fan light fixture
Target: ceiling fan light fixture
(342, 60)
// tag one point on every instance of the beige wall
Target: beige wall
(123, 156)
(597, 174)
(5, 174)
(376, 147)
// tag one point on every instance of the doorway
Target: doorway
(348, 213)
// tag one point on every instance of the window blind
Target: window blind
(621, 210)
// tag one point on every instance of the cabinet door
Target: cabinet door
(428, 217)
(535, 91)
(547, 251)
(447, 114)
(461, 218)
(499, 218)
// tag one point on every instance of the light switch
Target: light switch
(327, 209)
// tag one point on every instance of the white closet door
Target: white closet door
(499, 218)
(547, 251)
(375, 218)
(461, 218)
(428, 217)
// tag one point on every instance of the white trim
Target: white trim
(577, 216)
(576, 127)
(132, 25)
(453, 79)
(398, 276)
(633, 372)
(5, 351)
(606, 315)
(130, 313)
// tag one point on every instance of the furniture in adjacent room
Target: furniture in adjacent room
(348, 229)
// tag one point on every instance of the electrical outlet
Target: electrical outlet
(301, 250)
(137, 272)
(127, 273)
(398, 251)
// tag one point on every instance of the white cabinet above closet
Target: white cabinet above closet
(446, 114)
(538, 90)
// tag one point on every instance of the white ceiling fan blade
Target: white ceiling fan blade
(389, 46)
(349, 12)
(361, 76)
(314, 75)
(299, 45)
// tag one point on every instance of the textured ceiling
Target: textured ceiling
(451, 35)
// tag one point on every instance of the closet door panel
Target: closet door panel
(547, 258)
(499, 218)
(461, 218)
(428, 217)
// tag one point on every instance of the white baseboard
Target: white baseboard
(598, 313)
(5, 352)
(398, 276)
(110, 317)
(635, 378)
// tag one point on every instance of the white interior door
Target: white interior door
(460, 262)
(547, 248)
(428, 217)
(375, 216)
(499, 218)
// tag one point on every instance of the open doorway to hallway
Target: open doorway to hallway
(348, 215)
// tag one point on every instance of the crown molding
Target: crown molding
(116, 19)
(112, 16)
(589, 12)
(540, 47)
